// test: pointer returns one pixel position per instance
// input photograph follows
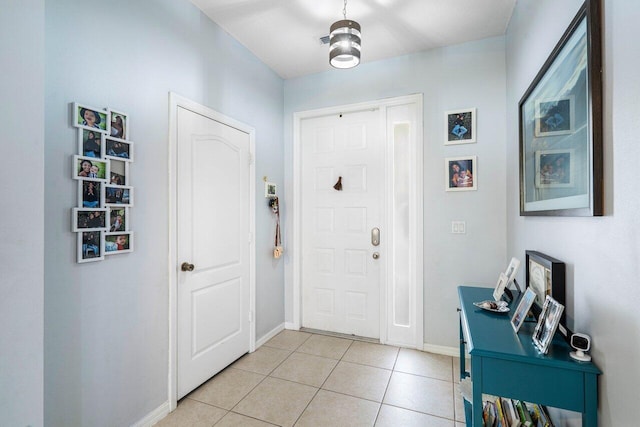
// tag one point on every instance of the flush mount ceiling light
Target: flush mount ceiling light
(344, 39)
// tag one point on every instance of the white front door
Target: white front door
(213, 234)
(340, 277)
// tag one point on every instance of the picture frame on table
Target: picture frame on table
(118, 149)
(91, 118)
(560, 119)
(545, 276)
(461, 173)
(90, 194)
(118, 195)
(460, 126)
(521, 312)
(547, 324)
(118, 125)
(503, 281)
(90, 246)
(94, 219)
(89, 168)
(118, 243)
(91, 143)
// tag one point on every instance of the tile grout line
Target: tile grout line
(393, 369)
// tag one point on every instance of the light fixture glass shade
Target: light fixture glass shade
(344, 44)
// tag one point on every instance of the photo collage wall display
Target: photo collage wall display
(105, 195)
(460, 172)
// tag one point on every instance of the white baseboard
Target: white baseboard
(291, 326)
(440, 349)
(272, 333)
(154, 416)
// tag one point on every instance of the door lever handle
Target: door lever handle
(375, 236)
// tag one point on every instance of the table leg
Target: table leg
(477, 391)
(590, 416)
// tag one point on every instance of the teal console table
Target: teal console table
(507, 364)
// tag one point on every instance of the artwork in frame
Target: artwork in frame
(461, 173)
(88, 219)
(545, 276)
(118, 219)
(90, 143)
(554, 116)
(118, 243)
(118, 125)
(460, 126)
(555, 168)
(90, 246)
(547, 324)
(119, 150)
(521, 312)
(503, 281)
(91, 118)
(560, 121)
(118, 195)
(89, 168)
(118, 172)
(90, 194)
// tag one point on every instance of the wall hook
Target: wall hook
(338, 185)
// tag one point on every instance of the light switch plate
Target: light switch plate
(458, 227)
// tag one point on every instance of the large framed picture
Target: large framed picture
(547, 324)
(561, 165)
(545, 276)
(461, 173)
(90, 118)
(460, 126)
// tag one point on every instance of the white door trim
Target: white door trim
(418, 218)
(176, 101)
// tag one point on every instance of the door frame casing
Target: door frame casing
(177, 101)
(416, 250)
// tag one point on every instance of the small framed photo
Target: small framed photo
(90, 246)
(90, 118)
(118, 172)
(118, 125)
(503, 281)
(545, 275)
(118, 195)
(118, 219)
(512, 269)
(460, 126)
(118, 243)
(88, 219)
(270, 189)
(554, 116)
(523, 309)
(555, 168)
(461, 173)
(90, 194)
(547, 324)
(89, 168)
(119, 150)
(90, 143)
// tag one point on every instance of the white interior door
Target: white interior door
(213, 230)
(340, 277)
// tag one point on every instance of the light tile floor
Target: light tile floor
(303, 379)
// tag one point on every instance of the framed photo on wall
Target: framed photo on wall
(118, 150)
(118, 243)
(88, 219)
(461, 173)
(90, 246)
(460, 126)
(90, 143)
(560, 121)
(90, 118)
(118, 125)
(90, 194)
(118, 195)
(89, 168)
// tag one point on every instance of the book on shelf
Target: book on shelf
(501, 421)
(523, 413)
(489, 414)
(510, 413)
(540, 416)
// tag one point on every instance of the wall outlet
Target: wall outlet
(458, 227)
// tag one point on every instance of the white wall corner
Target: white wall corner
(440, 349)
(154, 416)
(272, 333)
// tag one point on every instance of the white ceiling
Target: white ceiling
(285, 34)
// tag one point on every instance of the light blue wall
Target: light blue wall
(601, 254)
(22, 227)
(462, 76)
(106, 323)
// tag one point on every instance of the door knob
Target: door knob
(187, 267)
(376, 255)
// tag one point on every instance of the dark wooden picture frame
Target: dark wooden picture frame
(562, 110)
(543, 270)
